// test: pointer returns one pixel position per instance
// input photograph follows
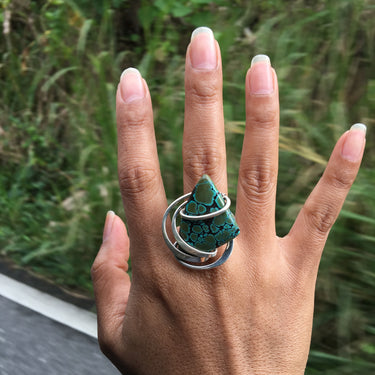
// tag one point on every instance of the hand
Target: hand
(253, 314)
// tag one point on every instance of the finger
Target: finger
(204, 139)
(256, 193)
(138, 166)
(308, 235)
(111, 282)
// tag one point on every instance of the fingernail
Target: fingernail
(260, 76)
(203, 54)
(260, 58)
(354, 142)
(108, 224)
(131, 85)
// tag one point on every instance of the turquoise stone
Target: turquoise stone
(211, 233)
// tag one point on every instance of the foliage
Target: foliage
(60, 63)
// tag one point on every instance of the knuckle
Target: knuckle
(203, 93)
(135, 121)
(259, 184)
(199, 162)
(100, 269)
(136, 179)
(341, 179)
(97, 270)
(321, 219)
(264, 117)
(133, 117)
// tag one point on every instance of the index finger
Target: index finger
(138, 164)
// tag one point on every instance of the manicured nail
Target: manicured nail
(260, 58)
(108, 224)
(203, 54)
(261, 77)
(354, 143)
(131, 85)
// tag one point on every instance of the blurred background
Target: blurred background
(59, 68)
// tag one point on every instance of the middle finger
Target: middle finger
(204, 138)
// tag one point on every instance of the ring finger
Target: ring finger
(259, 161)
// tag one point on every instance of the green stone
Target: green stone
(211, 233)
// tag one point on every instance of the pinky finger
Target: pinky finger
(309, 233)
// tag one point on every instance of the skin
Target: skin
(252, 315)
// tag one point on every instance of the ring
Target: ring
(205, 223)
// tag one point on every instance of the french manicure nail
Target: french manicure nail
(260, 58)
(359, 126)
(131, 85)
(354, 142)
(203, 54)
(108, 224)
(260, 76)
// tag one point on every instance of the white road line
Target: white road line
(55, 309)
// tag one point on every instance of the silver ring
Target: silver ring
(184, 245)
(188, 255)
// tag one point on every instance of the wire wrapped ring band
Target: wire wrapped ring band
(184, 252)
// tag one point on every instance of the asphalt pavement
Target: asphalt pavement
(42, 335)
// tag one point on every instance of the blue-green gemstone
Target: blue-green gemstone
(210, 233)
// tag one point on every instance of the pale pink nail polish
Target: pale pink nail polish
(260, 76)
(354, 142)
(131, 85)
(203, 54)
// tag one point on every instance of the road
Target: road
(32, 342)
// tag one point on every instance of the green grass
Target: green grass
(59, 68)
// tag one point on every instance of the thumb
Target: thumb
(111, 282)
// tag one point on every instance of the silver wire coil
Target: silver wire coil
(185, 253)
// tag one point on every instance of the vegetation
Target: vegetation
(60, 64)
